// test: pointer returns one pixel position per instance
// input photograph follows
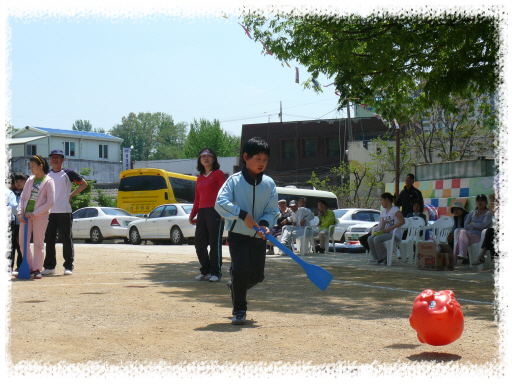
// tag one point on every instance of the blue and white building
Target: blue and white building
(99, 152)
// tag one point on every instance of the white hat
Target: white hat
(206, 152)
(457, 204)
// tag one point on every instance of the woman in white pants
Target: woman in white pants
(390, 218)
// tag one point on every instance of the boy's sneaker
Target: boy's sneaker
(214, 278)
(37, 274)
(48, 272)
(239, 318)
(202, 277)
(15, 272)
(68, 272)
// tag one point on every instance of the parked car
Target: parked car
(352, 235)
(165, 222)
(94, 224)
(348, 217)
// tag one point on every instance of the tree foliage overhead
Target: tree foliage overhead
(209, 134)
(382, 58)
(142, 131)
(82, 125)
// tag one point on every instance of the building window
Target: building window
(69, 148)
(308, 147)
(333, 147)
(288, 149)
(103, 151)
(31, 150)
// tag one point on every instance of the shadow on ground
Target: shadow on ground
(356, 293)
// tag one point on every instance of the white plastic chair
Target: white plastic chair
(392, 245)
(445, 222)
(406, 246)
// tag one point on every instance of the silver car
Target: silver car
(348, 217)
(168, 222)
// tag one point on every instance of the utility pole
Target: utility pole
(349, 123)
(397, 164)
(281, 111)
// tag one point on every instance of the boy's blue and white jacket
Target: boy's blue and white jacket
(242, 194)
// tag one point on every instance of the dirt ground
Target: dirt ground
(127, 303)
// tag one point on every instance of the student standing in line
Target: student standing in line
(247, 199)
(36, 200)
(61, 218)
(19, 183)
(209, 224)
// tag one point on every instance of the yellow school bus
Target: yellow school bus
(143, 189)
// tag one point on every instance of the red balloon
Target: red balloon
(437, 317)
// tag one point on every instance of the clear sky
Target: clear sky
(101, 69)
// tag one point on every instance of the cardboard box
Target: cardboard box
(429, 258)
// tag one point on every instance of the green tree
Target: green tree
(82, 125)
(358, 187)
(204, 133)
(141, 131)
(170, 140)
(104, 200)
(382, 59)
(9, 130)
(84, 198)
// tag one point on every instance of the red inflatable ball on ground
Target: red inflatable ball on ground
(437, 317)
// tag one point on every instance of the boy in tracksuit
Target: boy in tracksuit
(247, 199)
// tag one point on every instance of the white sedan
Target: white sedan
(165, 222)
(97, 223)
(348, 217)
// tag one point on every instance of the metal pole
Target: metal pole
(397, 165)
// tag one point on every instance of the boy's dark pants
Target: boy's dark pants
(209, 229)
(247, 266)
(64, 222)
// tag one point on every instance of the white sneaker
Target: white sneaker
(68, 272)
(48, 272)
(214, 278)
(203, 277)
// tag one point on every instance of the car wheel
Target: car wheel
(134, 236)
(96, 236)
(176, 236)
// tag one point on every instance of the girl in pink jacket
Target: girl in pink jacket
(37, 198)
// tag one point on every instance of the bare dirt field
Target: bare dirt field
(126, 304)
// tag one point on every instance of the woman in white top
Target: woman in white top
(390, 218)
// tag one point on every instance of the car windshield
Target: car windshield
(115, 212)
(187, 208)
(339, 213)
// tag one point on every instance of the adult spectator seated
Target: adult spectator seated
(488, 243)
(284, 212)
(459, 214)
(390, 218)
(408, 195)
(295, 224)
(326, 218)
(474, 223)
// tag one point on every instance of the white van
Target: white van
(312, 197)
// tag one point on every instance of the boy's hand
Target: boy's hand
(249, 221)
(21, 218)
(263, 230)
(29, 214)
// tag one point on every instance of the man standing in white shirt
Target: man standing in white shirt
(61, 217)
(300, 218)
